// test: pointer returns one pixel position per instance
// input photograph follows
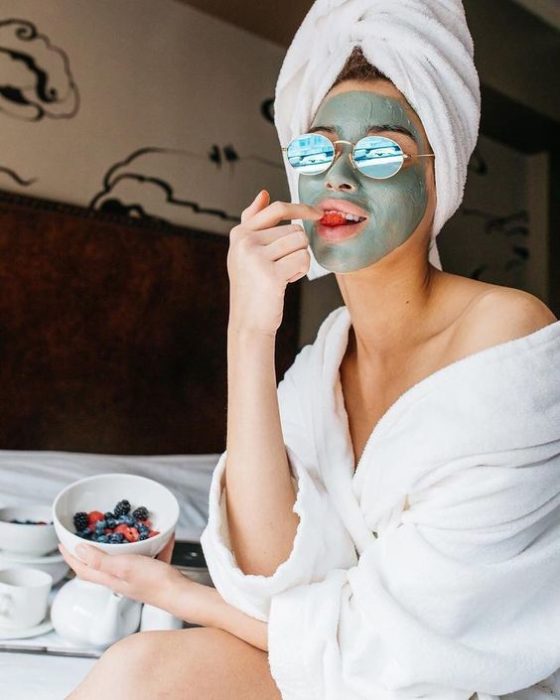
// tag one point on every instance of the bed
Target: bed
(112, 358)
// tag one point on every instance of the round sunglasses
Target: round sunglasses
(374, 156)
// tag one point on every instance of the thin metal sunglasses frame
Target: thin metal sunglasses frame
(337, 153)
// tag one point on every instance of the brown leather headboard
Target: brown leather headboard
(113, 332)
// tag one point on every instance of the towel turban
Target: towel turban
(424, 47)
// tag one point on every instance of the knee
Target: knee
(135, 649)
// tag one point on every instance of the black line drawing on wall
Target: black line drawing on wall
(136, 186)
(146, 183)
(515, 224)
(17, 178)
(267, 109)
(35, 77)
(477, 164)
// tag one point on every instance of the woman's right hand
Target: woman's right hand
(263, 258)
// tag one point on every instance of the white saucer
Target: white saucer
(53, 557)
(22, 632)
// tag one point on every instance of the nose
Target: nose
(341, 176)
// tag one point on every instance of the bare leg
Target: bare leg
(190, 664)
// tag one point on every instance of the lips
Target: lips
(332, 227)
(342, 205)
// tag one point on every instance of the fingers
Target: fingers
(294, 265)
(289, 243)
(281, 211)
(90, 572)
(260, 201)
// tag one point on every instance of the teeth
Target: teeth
(348, 217)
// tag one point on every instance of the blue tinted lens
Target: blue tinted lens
(378, 157)
(310, 154)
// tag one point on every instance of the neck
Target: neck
(391, 305)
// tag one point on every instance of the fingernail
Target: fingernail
(259, 194)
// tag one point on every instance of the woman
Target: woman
(406, 322)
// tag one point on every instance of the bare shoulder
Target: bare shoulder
(498, 315)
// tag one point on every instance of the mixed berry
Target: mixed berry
(116, 527)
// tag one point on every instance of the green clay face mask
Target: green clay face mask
(394, 206)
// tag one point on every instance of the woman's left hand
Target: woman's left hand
(135, 576)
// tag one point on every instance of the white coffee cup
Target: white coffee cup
(24, 595)
(157, 619)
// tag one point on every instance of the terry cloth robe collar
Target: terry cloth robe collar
(457, 594)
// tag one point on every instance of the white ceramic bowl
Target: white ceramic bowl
(53, 564)
(102, 493)
(27, 539)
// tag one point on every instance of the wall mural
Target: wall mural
(515, 224)
(511, 226)
(15, 177)
(142, 185)
(35, 78)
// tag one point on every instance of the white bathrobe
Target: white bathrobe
(457, 594)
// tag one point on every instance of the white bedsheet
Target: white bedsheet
(36, 477)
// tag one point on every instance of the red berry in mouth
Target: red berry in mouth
(332, 218)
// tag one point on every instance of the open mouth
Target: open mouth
(336, 225)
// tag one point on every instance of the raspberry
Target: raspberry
(94, 516)
(122, 528)
(122, 508)
(140, 513)
(333, 219)
(81, 521)
(131, 534)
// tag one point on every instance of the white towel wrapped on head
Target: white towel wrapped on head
(424, 47)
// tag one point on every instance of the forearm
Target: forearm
(258, 488)
(203, 605)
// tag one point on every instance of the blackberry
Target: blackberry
(81, 521)
(140, 513)
(122, 508)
